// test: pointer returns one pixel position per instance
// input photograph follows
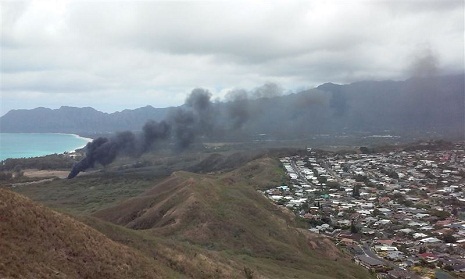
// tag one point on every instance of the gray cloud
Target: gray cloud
(156, 52)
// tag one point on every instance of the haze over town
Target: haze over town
(115, 55)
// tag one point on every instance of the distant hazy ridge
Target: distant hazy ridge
(419, 105)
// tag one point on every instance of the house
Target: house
(369, 262)
(385, 241)
(401, 274)
(428, 257)
(430, 240)
(384, 248)
(395, 255)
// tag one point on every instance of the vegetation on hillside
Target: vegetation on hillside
(211, 224)
(48, 162)
(224, 215)
(37, 242)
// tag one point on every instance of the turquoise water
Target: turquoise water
(24, 145)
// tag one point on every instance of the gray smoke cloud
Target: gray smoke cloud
(104, 150)
(238, 107)
(423, 93)
(184, 124)
(195, 118)
(238, 102)
(338, 101)
(198, 117)
(268, 90)
(199, 102)
(425, 64)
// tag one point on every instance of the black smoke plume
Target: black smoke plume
(183, 125)
(195, 118)
(198, 117)
(104, 150)
(238, 107)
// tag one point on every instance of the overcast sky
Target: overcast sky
(113, 55)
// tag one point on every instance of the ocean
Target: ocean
(25, 145)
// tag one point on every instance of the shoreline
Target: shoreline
(71, 150)
(79, 137)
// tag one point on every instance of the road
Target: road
(330, 171)
(369, 253)
(299, 174)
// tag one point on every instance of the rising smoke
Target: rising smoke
(104, 150)
(425, 64)
(198, 117)
(238, 107)
(183, 125)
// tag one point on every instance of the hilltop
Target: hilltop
(41, 243)
(225, 215)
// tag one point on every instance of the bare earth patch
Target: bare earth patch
(45, 173)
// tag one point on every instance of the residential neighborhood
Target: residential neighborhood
(400, 214)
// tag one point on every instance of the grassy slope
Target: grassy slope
(94, 191)
(87, 194)
(225, 216)
(202, 226)
(37, 242)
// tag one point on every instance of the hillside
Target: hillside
(226, 217)
(205, 225)
(37, 242)
(417, 107)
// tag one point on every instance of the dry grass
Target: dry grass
(199, 225)
(45, 173)
(198, 218)
(37, 242)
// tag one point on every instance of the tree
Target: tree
(365, 150)
(353, 227)
(440, 214)
(4, 176)
(322, 179)
(304, 206)
(333, 185)
(449, 238)
(376, 212)
(394, 175)
(356, 191)
(361, 178)
(448, 267)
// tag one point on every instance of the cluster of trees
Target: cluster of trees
(441, 214)
(356, 191)
(7, 175)
(391, 173)
(54, 161)
(400, 198)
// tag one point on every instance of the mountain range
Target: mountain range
(417, 106)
